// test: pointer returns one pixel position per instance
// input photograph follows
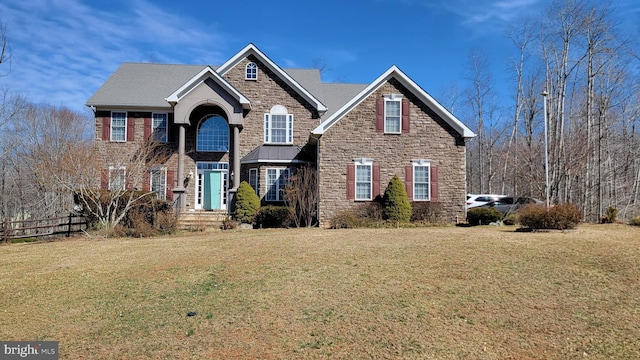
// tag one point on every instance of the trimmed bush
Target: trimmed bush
(426, 211)
(396, 206)
(272, 216)
(559, 217)
(635, 221)
(247, 203)
(483, 216)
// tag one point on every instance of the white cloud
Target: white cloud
(62, 51)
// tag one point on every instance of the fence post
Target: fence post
(5, 229)
(69, 226)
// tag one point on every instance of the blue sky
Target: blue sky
(63, 50)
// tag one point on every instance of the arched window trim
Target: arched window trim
(251, 71)
(214, 144)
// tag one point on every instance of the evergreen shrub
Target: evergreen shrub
(247, 203)
(395, 202)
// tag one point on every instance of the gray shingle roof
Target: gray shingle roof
(143, 85)
(147, 85)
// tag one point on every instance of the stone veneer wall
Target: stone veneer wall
(355, 136)
(264, 93)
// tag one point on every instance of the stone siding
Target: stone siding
(355, 136)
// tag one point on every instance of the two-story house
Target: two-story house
(249, 119)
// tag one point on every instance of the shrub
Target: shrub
(610, 216)
(228, 224)
(371, 212)
(426, 211)
(272, 216)
(247, 203)
(559, 217)
(396, 206)
(147, 216)
(483, 216)
(348, 219)
(635, 221)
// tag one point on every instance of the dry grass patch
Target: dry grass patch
(445, 293)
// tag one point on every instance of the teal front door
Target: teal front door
(212, 190)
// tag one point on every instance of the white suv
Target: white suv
(474, 200)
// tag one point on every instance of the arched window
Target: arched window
(252, 71)
(278, 126)
(213, 134)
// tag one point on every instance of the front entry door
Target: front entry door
(212, 190)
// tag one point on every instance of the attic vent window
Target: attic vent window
(251, 71)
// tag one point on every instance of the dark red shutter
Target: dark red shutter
(106, 128)
(376, 181)
(408, 181)
(146, 181)
(351, 181)
(104, 179)
(170, 178)
(405, 115)
(380, 115)
(131, 128)
(434, 183)
(147, 128)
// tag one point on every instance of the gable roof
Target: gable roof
(204, 74)
(143, 85)
(395, 72)
(253, 50)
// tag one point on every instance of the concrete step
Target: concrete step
(201, 220)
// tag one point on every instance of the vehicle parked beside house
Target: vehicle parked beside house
(510, 204)
(481, 199)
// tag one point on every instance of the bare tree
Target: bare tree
(301, 194)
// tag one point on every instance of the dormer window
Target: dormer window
(251, 71)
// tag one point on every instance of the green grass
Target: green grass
(415, 293)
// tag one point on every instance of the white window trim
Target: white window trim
(246, 71)
(395, 98)
(166, 129)
(126, 119)
(359, 163)
(163, 170)
(279, 172)
(268, 125)
(124, 177)
(421, 163)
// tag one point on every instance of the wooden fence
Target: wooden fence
(31, 228)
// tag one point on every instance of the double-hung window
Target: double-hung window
(421, 183)
(159, 127)
(363, 180)
(392, 114)
(277, 179)
(117, 178)
(278, 126)
(159, 183)
(118, 126)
